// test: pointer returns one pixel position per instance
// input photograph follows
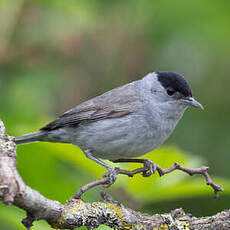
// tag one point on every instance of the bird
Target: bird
(123, 123)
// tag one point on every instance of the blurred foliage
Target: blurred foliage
(55, 54)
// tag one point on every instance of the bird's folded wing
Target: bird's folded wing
(115, 103)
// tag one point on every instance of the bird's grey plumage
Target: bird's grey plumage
(125, 122)
(31, 137)
(115, 103)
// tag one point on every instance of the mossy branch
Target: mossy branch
(76, 212)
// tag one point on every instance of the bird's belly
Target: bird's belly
(118, 138)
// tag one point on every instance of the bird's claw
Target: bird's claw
(150, 168)
(112, 176)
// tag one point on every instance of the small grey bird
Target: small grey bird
(126, 122)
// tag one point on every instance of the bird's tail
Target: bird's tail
(31, 137)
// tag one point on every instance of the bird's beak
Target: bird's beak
(192, 102)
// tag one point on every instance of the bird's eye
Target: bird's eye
(170, 92)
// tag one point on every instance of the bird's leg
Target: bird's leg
(90, 156)
(149, 165)
(112, 173)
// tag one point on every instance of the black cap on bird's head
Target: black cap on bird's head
(174, 82)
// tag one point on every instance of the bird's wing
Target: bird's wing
(115, 103)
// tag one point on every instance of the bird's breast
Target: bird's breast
(115, 138)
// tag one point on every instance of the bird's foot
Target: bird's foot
(112, 176)
(150, 168)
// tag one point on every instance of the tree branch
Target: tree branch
(76, 212)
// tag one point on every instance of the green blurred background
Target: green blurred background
(55, 54)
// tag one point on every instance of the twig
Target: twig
(106, 180)
(203, 170)
(90, 185)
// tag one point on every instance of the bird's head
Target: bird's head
(170, 89)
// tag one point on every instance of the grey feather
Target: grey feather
(31, 137)
(115, 103)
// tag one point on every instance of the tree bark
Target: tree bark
(76, 212)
